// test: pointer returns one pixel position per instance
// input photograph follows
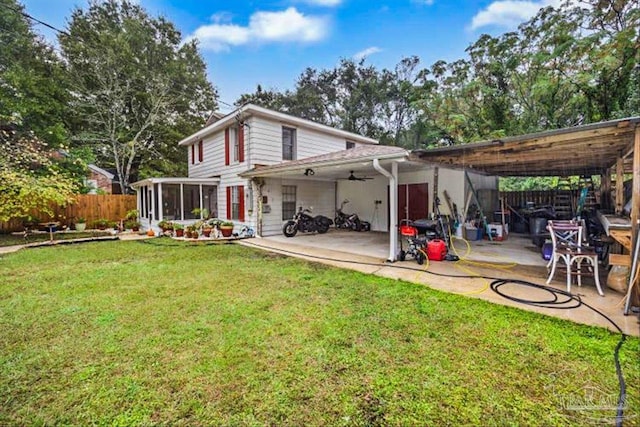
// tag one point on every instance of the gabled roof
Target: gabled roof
(581, 150)
(242, 113)
(361, 154)
(101, 171)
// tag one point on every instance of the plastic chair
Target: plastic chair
(566, 237)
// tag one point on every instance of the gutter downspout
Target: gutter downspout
(393, 205)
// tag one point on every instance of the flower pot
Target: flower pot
(226, 231)
(81, 226)
(206, 232)
(180, 233)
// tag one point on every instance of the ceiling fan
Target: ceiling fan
(352, 177)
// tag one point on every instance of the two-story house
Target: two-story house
(256, 166)
(246, 139)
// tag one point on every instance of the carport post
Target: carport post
(393, 205)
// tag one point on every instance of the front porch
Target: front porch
(180, 200)
(514, 258)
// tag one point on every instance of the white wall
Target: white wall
(265, 141)
(361, 196)
(317, 194)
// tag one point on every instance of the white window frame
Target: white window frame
(294, 143)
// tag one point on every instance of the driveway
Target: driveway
(514, 258)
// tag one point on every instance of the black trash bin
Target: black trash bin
(538, 230)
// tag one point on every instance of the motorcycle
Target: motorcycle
(304, 222)
(350, 221)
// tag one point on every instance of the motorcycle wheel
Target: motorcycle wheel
(323, 228)
(402, 255)
(356, 225)
(289, 229)
(420, 258)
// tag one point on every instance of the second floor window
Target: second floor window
(288, 143)
(350, 145)
(197, 152)
(236, 144)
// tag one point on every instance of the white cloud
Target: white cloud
(288, 25)
(509, 13)
(328, 3)
(366, 52)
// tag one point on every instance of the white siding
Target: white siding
(263, 146)
(265, 138)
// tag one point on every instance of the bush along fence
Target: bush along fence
(90, 207)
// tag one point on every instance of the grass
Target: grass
(19, 239)
(156, 332)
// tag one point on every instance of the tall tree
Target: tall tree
(135, 82)
(33, 90)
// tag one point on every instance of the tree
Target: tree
(134, 84)
(30, 179)
(33, 91)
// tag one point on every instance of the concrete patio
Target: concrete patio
(514, 258)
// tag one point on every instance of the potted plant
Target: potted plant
(101, 224)
(132, 215)
(165, 225)
(81, 224)
(132, 225)
(226, 228)
(179, 229)
(206, 229)
(189, 232)
(201, 213)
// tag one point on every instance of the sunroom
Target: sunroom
(175, 199)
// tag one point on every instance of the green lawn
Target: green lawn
(158, 332)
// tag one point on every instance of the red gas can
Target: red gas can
(436, 250)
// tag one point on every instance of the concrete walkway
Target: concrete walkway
(122, 236)
(436, 275)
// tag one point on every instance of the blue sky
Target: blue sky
(246, 43)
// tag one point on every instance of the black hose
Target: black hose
(558, 299)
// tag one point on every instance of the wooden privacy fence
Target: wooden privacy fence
(519, 199)
(91, 207)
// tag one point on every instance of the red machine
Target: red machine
(416, 245)
(436, 250)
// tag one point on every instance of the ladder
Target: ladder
(588, 198)
(563, 200)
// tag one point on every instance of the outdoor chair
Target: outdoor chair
(568, 247)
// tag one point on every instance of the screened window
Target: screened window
(171, 202)
(288, 201)
(288, 143)
(191, 200)
(210, 199)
